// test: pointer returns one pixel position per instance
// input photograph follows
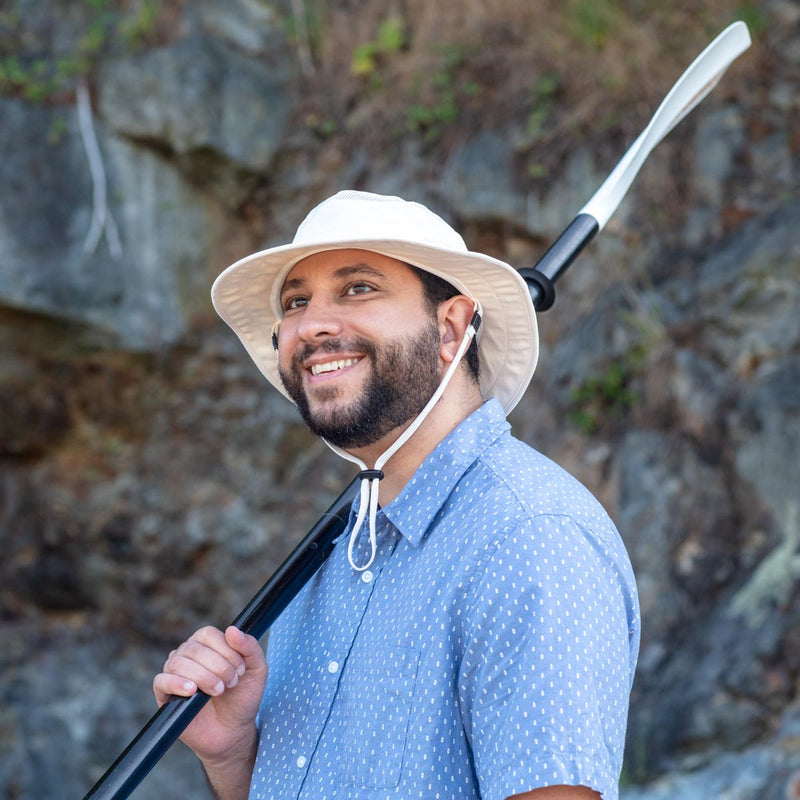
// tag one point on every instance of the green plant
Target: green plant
(30, 69)
(35, 80)
(591, 22)
(137, 26)
(324, 127)
(443, 95)
(607, 396)
(753, 15)
(442, 111)
(543, 94)
(391, 38)
(58, 129)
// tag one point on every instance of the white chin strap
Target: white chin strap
(370, 478)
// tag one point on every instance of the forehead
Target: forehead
(333, 264)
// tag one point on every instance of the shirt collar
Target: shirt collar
(444, 467)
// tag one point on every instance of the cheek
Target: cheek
(401, 322)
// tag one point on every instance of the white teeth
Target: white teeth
(332, 366)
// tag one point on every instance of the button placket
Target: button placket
(335, 661)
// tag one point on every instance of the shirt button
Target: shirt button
(301, 762)
(333, 667)
(366, 576)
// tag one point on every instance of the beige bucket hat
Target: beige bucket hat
(247, 294)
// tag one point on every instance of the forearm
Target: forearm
(230, 779)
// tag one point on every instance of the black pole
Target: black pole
(169, 722)
(559, 256)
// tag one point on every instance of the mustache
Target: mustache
(335, 345)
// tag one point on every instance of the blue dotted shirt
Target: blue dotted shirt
(489, 650)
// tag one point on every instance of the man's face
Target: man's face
(358, 347)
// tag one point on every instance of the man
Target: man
(475, 631)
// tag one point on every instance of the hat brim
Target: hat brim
(244, 295)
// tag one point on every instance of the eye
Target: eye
(358, 288)
(293, 303)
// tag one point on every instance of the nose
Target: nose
(317, 321)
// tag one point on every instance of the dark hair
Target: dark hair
(436, 290)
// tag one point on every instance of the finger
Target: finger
(212, 675)
(204, 666)
(216, 640)
(209, 647)
(166, 685)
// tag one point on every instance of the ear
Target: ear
(454, 316)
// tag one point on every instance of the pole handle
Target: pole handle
(559, 256)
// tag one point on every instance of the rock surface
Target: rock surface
(150, 481)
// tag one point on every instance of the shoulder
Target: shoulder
(535, 484)
(529, 509)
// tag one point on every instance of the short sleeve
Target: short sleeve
(546, 672)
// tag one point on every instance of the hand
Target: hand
(232, 669)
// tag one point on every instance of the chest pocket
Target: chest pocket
(378, 694)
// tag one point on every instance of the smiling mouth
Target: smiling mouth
(333, 366)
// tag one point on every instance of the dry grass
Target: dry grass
(548, 71)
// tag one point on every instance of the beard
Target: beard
(404, 376)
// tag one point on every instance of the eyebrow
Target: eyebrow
(347, 271)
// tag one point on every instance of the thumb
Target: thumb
(248, 648)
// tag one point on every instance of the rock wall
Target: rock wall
(150, 481)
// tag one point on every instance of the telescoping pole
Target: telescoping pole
(167, 724)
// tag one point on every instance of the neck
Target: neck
(460, 399)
